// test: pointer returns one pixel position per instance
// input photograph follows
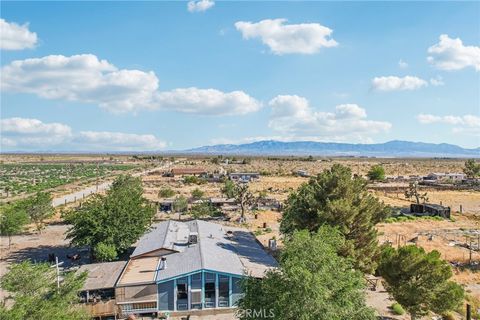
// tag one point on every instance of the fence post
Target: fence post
(461, 209)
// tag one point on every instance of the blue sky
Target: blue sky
(157, 76)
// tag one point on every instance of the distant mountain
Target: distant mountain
(304, 148)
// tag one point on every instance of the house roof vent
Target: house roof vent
(193, 238)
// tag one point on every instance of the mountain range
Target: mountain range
(394, 148)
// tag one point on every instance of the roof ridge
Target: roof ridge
(162, 245)
(199, 239)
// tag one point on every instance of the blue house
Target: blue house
(191, 267)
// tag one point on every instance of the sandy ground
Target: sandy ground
(469, 200)
(36, 247)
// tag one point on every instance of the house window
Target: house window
(209, 289)
(236, 290)
(223, 291)
(196, 291)
(165, 295)
(196, 296)
(182, 293)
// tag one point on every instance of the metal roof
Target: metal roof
(215, 250)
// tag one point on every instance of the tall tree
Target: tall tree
(337, 199)
(115, 220)
(419, 281)
(13, 219)
(472, 169)
(243, 196)
(39, 208)
(312, 283)
(376, 173)
(180, 204)
(413, 193)
(35, 295)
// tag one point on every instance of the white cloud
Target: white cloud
(33, 132)
(467, 120)
(16, 37)
(393, 83)
(451, 54)
(85, 78)
(104, 140)
(293, 116)
(402, 64)
(462, 124)
(82, 78)
(207, 101)
(437, 81)
(200, 5)
(281, 38)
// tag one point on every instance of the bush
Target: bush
(166, 193)
(105, 252)
(397, 309)
(197, 193)
(204, 210)
(193, 180)
(376, 173)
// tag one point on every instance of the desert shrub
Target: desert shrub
(193, 180)
(397, 309)
(166, 192)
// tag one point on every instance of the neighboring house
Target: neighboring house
(244, 176)
(428, 209)
(166, 205)
(189, 268)
(444, 177)
(188, 172)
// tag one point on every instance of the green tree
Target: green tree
(376, 173)
(180, 204)
(419, 281)
(39, 208)
(35, 294)
(413, 193)
(117, 219)
(13, 219)
(166, 193)
(228, 189)
(197, 193)
(472, 169)
(104, 252)
(335, 198)
(204, 210)
(312, 283)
